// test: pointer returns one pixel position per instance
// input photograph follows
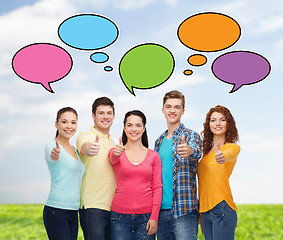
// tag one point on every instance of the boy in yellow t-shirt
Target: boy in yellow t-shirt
(98, 184)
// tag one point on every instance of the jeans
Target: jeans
(182, 228)
(60, 224)
(129, 226)
(95, 223)
(219, 223)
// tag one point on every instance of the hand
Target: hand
(55, 153)
(151, 227)
(94, 147)
(219, 156)
(183, 149)
(119, 148)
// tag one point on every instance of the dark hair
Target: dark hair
(231, 132)
(63, 110)
(174, 94)
(102, 101)
(144, 135)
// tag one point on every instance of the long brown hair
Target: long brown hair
(231, 132)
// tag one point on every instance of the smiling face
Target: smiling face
(134, 128)
(173, 110)
(67, 125)
(218, 124)
(103, 118)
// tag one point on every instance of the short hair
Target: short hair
(174, 94)
(102, 101)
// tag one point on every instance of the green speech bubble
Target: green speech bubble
(146, 66)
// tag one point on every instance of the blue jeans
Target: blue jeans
(60, 224)
(219, 223)
(95, 223)
(182, 228)
(129, 226)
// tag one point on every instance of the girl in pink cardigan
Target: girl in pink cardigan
(137, 200)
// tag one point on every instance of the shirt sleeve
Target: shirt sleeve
(194, 141)
(156, 187)
(112, 158)
(231, 152)
(81, 139)
(47, 152)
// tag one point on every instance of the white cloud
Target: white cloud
(131, 4)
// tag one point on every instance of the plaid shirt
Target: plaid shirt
(184, 171)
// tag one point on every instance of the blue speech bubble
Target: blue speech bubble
(99, 57)
(88, 32)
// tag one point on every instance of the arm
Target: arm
(190, 146)
(115, 153)
(157, 196)
(194, 141)
(88, 148)
(51, 152)
(229, 153)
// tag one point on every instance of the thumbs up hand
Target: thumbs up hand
(183, 149)
(119, 148)
(55, 153)
(94, 147)
(219, 156)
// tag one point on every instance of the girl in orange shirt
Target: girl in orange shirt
(216, 205)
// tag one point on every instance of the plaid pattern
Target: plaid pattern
(184, 171)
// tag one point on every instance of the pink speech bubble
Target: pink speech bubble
(42, 63)
(240, 68)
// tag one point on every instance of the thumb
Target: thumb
(120, 141)
(97, 139)
(57, 145)
(217, 146)
(183, 139)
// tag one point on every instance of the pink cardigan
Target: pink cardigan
(138, 187)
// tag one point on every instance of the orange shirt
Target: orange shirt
(213, 178)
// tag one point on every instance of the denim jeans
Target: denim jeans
(129, 226)
(95, 223)
(182, 228)
(60, 224)
(219, 223)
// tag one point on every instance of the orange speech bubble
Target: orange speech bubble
(197, 60)
(209, 32)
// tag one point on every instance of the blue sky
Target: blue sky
(28, 111)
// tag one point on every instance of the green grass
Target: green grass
(255, 222)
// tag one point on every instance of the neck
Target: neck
(172, 127)
(103, 131)
(134, 145)
(220, 139)
(62, 140)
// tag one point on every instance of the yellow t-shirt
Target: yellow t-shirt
(213, 178)
(98, 184)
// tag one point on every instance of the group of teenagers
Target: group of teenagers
(127, 191)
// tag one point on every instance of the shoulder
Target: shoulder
(189, 132)
(50, 145)
(231, 146)
(153, 154)
(161, 136)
